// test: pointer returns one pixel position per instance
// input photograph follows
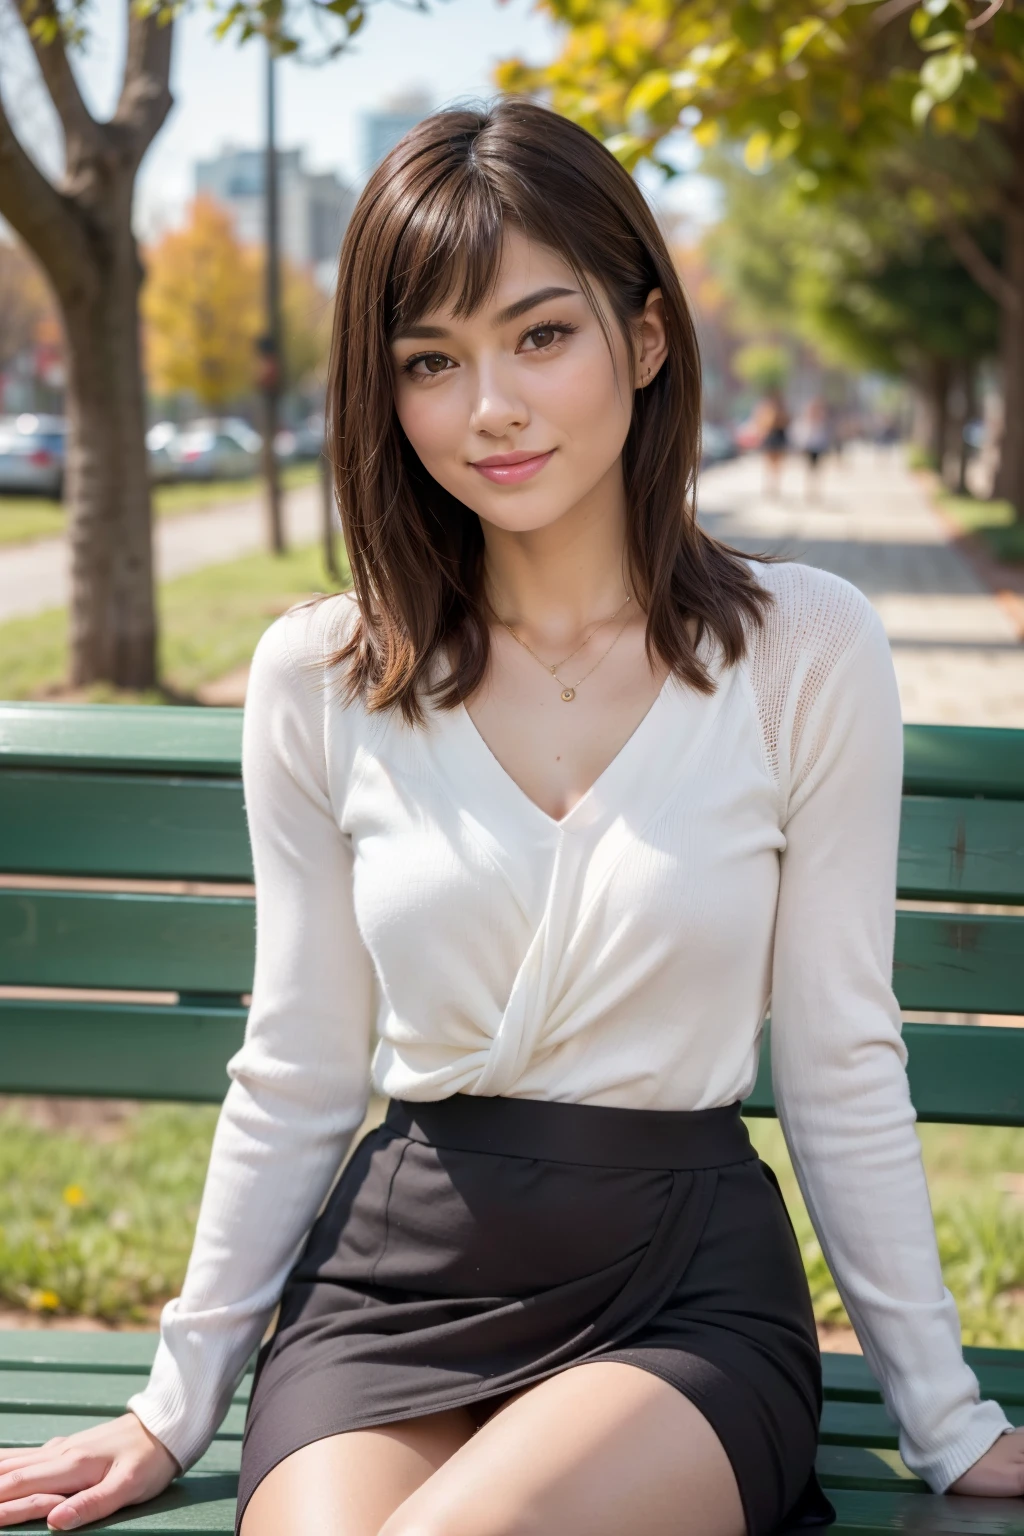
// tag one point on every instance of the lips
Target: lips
(512, 468)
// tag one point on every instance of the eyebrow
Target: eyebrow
(503, 317)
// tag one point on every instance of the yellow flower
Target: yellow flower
(74, 1195)
(44, 1301)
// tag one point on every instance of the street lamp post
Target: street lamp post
(269, 344)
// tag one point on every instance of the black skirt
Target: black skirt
(473, 1246)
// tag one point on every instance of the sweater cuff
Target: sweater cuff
(988, 1423)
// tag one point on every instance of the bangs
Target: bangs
(448, 251)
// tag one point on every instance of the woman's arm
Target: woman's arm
(838, 1062)
(300, 1081)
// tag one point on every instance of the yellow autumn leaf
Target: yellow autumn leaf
(757, 149)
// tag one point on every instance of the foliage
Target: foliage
(202, 305)
(857, 278)
(28, 314)
(765, 365)
(821, 84)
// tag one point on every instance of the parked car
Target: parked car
(32, 454)
(204, 449)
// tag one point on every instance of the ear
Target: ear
(652, 339)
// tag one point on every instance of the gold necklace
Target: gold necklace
(569, 689)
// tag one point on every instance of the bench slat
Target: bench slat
(120, 1051)
(959, 963)
(138, 826)
(146, 738)
(961, 850)
(960, 1074)
(870, 1424)
(130, 941)
(963, 760)
(103, 1392)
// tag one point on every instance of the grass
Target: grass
(976, 1182)
(993, 521)
(210, 622)
(101, 1224)
(26, 518)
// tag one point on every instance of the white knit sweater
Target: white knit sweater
(740, 850)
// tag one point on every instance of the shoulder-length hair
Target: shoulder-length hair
(428, 230)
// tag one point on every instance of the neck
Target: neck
(557, 580)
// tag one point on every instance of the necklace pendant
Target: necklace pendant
(568, 694)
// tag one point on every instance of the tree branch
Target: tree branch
(80, 128)
(985, 273)
(43, 217)
(145, 98)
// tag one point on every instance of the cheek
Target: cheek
(433, 419)
(586, 401)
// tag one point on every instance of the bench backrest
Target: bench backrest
(120, 796)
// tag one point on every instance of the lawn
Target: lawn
(993, 521)
(100, 1222)
(210, 622)
(25, 518)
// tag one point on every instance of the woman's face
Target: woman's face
(521, 410)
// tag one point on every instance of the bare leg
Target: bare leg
(348, 1485)
(601, 1449)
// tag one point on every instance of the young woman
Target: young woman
(552, 804)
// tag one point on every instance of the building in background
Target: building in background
(315, 206)
(383, 126)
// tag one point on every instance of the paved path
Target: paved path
(34, 577)
(957, 652)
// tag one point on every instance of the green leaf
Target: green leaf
(920, 107)
(942, 77)
(748, 25)
(795, 39)
(756, 150)
(649, 90)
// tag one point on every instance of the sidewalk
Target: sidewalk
(958, 654)
(34, 577)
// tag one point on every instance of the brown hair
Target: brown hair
(427, 230)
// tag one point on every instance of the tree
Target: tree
(839, 91)
(79, 229)
(202, 304)
(861, 281)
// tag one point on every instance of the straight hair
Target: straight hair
(428, 231)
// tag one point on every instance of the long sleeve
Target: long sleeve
(299, 1083)
(838, 1061)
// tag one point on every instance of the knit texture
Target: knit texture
(422, 924)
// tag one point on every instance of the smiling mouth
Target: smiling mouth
(512, 468)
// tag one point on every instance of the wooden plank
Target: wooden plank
(961, 850)
(959, 962)
(960, 1074)
(120, 1051)
(46, 1349)
(143, 738)
(130, 941)
(848, 1377)
(963, 760)
(140, 826)
(20, 1428)
(857, 1466)
(924, 1514)
(870, 1424)
(102, 1392)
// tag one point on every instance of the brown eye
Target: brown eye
(435, 363)
(543, 335)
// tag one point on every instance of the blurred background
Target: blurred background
(843, 191)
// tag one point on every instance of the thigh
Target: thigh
(599, 1449)
(349, 1484)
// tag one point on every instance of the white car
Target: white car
(208, 449)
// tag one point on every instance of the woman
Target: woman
(552, 803)
(773, 420)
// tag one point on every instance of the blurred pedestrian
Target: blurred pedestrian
(773, 425)
(812, 435)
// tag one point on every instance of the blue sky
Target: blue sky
(449, 51)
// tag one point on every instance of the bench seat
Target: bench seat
(52, 1383)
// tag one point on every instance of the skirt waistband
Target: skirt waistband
(598, 1135)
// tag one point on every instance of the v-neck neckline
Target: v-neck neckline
(513, 790)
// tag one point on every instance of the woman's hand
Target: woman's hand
(999, 1474)
(73, 1479)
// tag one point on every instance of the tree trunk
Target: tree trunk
(931, 417)
(1010, 479)
(113, 615)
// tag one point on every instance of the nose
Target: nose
(499, 407)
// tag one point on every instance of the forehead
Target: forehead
(523, 266)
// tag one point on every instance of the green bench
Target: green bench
(155, 795)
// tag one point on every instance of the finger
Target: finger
(35, 1507)
(15, 1455)
(58, 1475)
(92, 1504)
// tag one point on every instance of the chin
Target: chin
(515, 516)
